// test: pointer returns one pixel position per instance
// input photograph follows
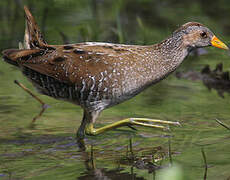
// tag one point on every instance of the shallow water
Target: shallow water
(48, 149)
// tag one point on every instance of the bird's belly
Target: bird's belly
(78, 94)
(51, 87)
(81, 93)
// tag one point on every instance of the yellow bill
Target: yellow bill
(217, 43)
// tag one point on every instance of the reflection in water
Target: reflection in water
(103, 174)
(143, 162)
(92, 172)
(125, 162)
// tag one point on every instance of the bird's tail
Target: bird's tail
(33, 38)
(19, 56)
(33, 43)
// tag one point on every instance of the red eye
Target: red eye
(203, 34)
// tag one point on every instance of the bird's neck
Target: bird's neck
(166, 57)
(172, 51)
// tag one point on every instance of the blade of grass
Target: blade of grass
(169, 151)
(205, 164)
(222, 124)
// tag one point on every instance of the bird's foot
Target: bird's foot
(152, 123)
(90, 130)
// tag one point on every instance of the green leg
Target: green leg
(90, 130)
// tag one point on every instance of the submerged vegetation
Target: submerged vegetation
(48, 149)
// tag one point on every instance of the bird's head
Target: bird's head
(195, 35)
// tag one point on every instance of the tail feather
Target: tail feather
(33, 38)
(33, 43)
(19, 56)
(6, 57)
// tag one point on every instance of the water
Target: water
(48, 149)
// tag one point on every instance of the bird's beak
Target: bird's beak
(217, 43)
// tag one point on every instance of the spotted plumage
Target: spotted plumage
(99, 75)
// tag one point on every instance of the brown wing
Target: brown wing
(71, 63)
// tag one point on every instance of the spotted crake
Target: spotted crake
(99, 75)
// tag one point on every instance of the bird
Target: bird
(97, 75)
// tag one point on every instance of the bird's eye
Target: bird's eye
(203, 34)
